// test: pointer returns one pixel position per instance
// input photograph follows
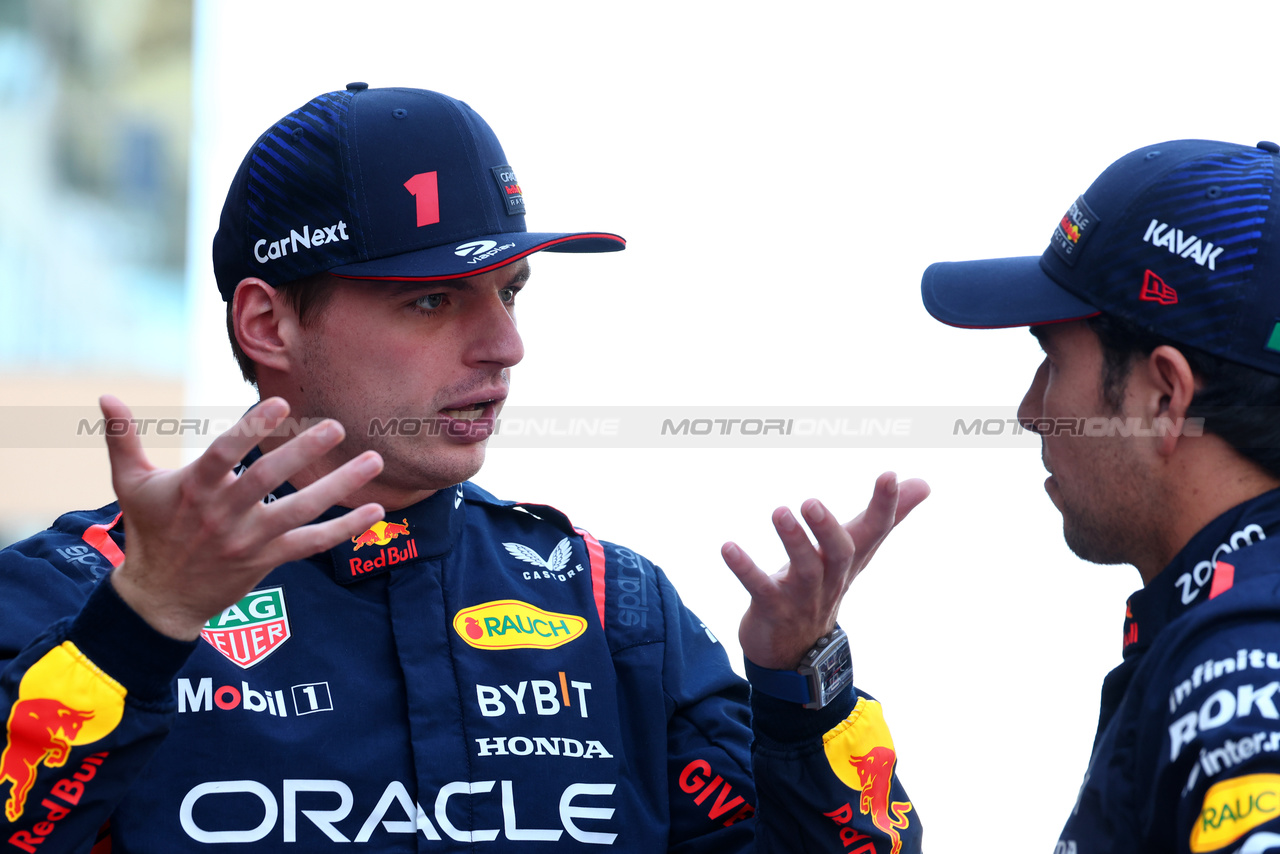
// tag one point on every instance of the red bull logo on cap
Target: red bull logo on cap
(860, 752)
(63, 700)
(511, 624)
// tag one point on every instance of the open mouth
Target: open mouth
(475, 412)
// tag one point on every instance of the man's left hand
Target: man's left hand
(795, 606)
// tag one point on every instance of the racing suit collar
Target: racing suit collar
(1192, 577)
(419, 532)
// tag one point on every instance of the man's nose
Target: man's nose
(1032, 406)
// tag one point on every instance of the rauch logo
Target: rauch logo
(251, 629)
(511, 624)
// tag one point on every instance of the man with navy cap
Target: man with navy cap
(332, 636)
(1157, 304)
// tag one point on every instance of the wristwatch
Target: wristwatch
(825, 671)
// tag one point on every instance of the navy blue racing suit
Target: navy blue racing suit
(1187, 755)
(469, 674)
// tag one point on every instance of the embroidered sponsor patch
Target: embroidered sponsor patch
(1075, 227)
(251, 629)
(64, 700)
(512, 624)
(510, 189)
(860, 752)
(382, 546)
(1234, 807)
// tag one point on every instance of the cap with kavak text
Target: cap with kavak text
(399, 184)
(1179, 238)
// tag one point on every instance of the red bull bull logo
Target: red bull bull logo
(63, 700)
(860, 752)
(511, 624)
(381, 534)
(1069, 229)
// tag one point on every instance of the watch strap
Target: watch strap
(783, 684)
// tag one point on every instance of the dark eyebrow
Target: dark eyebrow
(397, 289)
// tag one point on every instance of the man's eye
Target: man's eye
(430, 301)
(508, 294)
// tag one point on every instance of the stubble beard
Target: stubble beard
(1109, 522)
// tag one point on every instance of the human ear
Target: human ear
(1171, 385)
(263, 324)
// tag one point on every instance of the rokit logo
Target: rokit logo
(251, 629)
(307, 698)
(554, 567)
(1222, 707)
(480, 250)
(307, 240)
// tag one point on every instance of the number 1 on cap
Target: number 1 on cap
(425, 193)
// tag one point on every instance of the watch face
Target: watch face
(832, 669)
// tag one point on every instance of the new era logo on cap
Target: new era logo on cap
(1154, 289)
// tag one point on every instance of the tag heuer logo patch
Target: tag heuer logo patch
(555, 562)
(251, 629)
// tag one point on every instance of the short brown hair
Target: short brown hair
(307, 296)
(1238, 403)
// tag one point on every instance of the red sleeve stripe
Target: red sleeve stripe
(97, 536)
(103, 843)
(595, 553)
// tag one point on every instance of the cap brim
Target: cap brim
(998, 293)
(445, 262)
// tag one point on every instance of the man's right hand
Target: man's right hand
(200, 538)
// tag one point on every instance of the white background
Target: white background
(783, 176)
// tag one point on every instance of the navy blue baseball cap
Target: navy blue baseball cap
(397, 184)
(1179, 238)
